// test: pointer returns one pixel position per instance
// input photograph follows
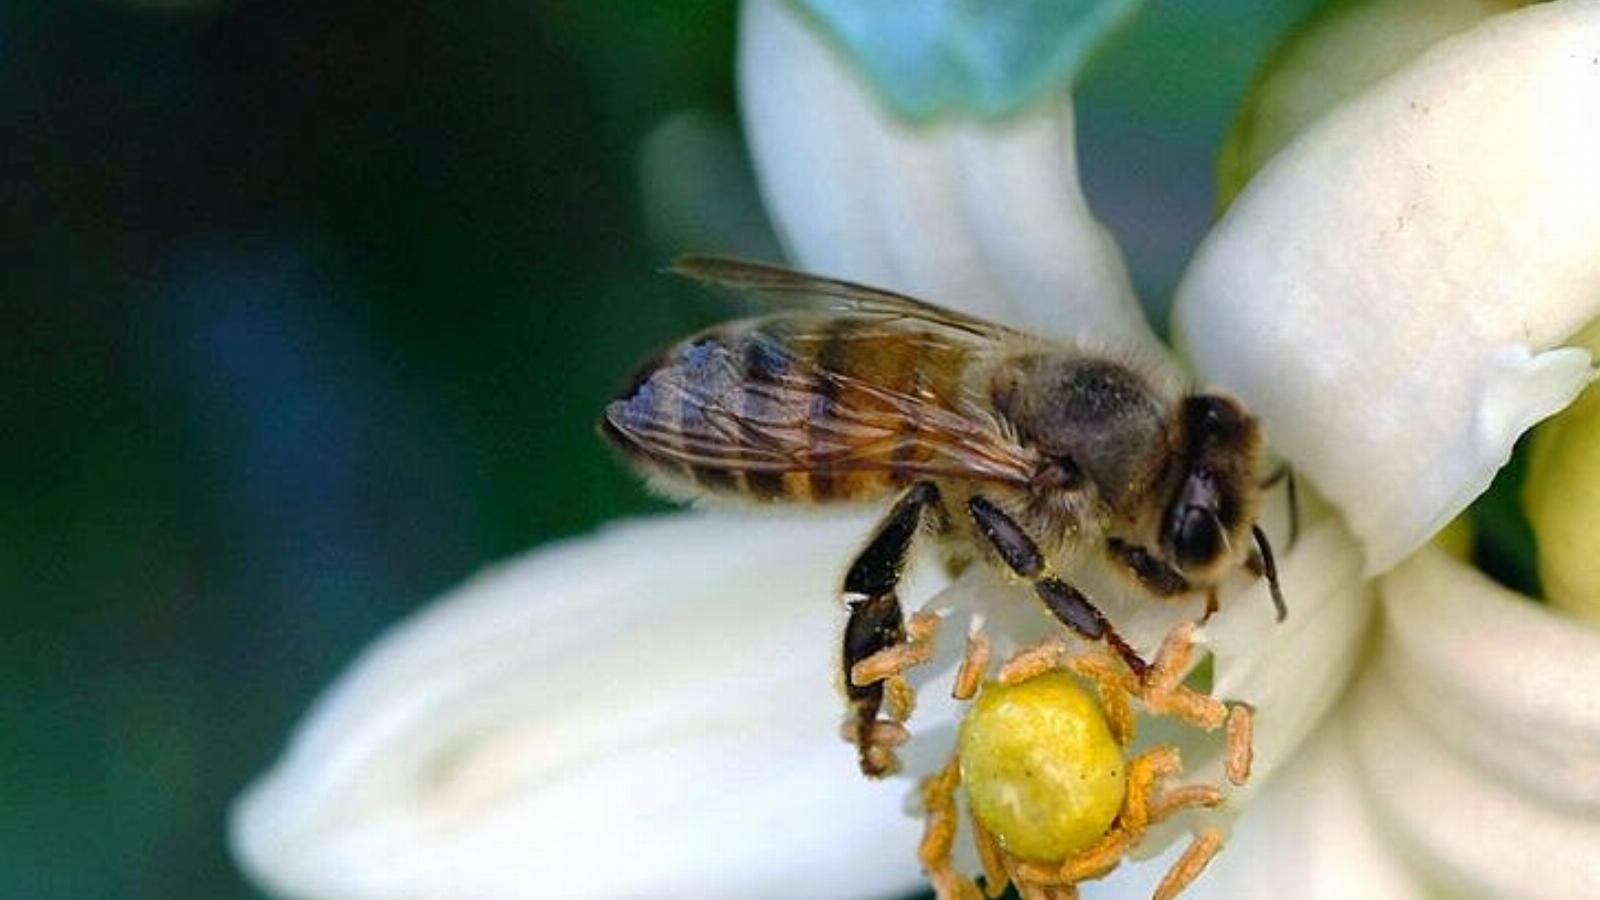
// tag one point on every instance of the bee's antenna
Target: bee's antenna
(1269, 568)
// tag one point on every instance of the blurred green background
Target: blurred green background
(307, 312)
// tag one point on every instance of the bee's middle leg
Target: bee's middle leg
(1065, 602)
(876, 621)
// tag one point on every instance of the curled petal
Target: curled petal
(649, 712)
(1477, 732)
(979, 215)
(1391, 292)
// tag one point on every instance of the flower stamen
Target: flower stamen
(939, 835)
(1240, 752)
(974, 666)
(1040, 760)
(1194, 860)
(1166, 694)
(1031, 662)
(1190, 796)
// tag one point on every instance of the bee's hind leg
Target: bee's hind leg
(876, 645)
(1065, 602)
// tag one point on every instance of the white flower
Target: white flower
(651, 711)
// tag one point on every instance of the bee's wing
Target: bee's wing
(776, 282)
(705, 411)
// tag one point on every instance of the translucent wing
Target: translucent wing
(824, 395)
(776, 282)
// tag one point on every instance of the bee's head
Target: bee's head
(1207, 522)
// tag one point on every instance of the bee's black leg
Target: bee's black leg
(1065, 602)
(1285, 474)
(1262, 563)
(876, 620)
(1157, 577)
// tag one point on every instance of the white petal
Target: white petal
(1340, 52)
(1308, 835)
(649, 712)
(1388, 292)
(1478, 735)
(1310, 830)
(1294, 671)
(984, 216)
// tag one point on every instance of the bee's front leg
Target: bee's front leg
(1156, 576)
(877, 622)
(1068, 604)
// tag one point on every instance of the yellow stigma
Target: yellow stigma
(1041, 769)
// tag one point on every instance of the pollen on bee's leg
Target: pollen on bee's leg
(1194, 860)
(882, 733)
(1031, 662)
(921, 631)
(878, 761)
(1190, 796)
(900, 698)
(974, 667)
(1240, 753)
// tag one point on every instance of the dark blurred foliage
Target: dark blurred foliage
(307, 311)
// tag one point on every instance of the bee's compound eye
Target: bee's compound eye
(1211, 416)
(1199, 536)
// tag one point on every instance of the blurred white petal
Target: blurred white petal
(1477, 734)
(982, 215)
(648, 712)
(1390, 291)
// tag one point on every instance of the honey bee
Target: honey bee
(1006, 447)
